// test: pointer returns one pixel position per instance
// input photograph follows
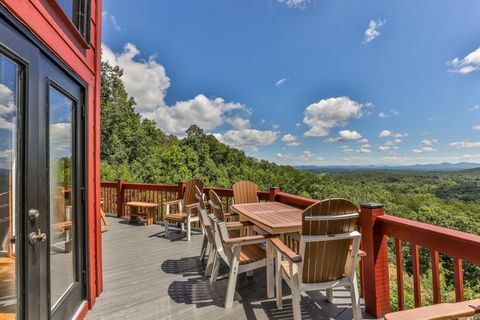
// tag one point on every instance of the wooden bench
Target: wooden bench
(148, 213)
(442, 311)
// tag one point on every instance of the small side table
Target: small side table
(149, 213)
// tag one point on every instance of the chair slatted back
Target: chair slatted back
(245, 192)
(325, 261)
(189, 194)
(216, 205)
(220, 234)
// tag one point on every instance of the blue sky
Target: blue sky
(307, 82)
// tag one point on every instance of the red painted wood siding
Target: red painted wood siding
(46, 20)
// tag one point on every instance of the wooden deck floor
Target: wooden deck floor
(147, 276)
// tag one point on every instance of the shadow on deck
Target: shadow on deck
(149, 277)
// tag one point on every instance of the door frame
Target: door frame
(24, 110)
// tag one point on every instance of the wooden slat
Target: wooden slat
(417, 294)
(437, 294)
(399, 264)
(458, 278)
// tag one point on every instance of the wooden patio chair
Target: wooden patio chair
(245, 192)
(329, 252)
(204, 224)
(5, 221)
(216, 208)
(442, 311)
(186, 212)
(241, 254)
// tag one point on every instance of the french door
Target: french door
(42, 179)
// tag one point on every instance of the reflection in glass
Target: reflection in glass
(62, 270)
(8, 151)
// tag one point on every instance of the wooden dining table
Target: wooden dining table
(272, 217)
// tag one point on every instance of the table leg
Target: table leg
(133, 215)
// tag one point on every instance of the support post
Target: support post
(120, 198)
(273, 194)
(375, 264)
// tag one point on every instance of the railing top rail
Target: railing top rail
(447, 241)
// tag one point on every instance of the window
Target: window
(78, 11)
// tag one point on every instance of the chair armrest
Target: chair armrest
(361, 253)
(286, 251)
(238, 224)
(242, 241)
(192, 205)
(173, 202)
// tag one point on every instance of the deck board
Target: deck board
(149, 277)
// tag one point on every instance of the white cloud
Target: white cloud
(115, 23)
(346, 149)
(475, 107)
(275, 126)
(385, 133)
(345, 135)
(206, 113)
(429, 142)
(476, 127)
(295, 3)
(424, 149)
(308, 154)
(298, 124)
(373, 30)
(329, 113)
(389, 114)
(61, 138)
(145, 80)
(364, 150)
(281, 82)
(466, 65)
(249, 138)
(289, 138)
(364, 140)
(465, 144)
(7, 107)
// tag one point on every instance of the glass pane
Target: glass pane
(67, 6)
(62, 247)
(8, 152)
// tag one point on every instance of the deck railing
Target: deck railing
(374, 224)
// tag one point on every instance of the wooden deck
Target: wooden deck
(149, 277)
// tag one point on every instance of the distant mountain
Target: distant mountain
(445, 166)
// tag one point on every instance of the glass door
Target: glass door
(9, 92)
(42, 182)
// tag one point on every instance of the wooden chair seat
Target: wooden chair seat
(177, 217)
(443, 311)
(251, 253)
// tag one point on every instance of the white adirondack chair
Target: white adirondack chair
(241, 254)
(329, 253)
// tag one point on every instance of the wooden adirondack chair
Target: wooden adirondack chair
(241, 254)
(245, 192)
(329, 252)
(186, 208)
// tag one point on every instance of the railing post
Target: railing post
(273, 194)
(375, 264)
(120, 198)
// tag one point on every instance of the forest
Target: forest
(135, 150)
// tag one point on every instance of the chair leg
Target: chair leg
(232, 281)
(278, 280)
(296, 299)
(203, 252)
(166, 228)
(270, 274)
(330, 295)
(210, 263)
(356, 309)
(215, 267)
(189, 230)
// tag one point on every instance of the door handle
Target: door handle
(38, 236)
(33, 214)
